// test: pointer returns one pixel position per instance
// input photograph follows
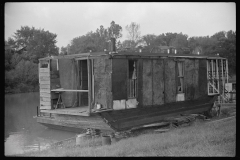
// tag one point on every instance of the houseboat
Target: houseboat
(116, 91)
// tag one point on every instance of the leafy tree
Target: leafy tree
(39, 43)
(150, 41)
(179, 41)
(95, 41)
(169, 37)
(21, 57)
(115, 30)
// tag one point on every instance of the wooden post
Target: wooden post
(217, 74)
(222, 80)
(89, 85)
(92, 80)
(212, 75)
(208, 76)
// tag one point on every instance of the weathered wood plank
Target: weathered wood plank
(170, 80)
(45, 78)
(189, 69)
(195, 78)
(44, 70)
(44, 82)
(47, 86)
(147, 82)
(45, 107)
(202, 78)
(140, 82)
(45, 90)
(44, 94)
(45, 99)
(44, 74)
(45, 103)
(158, 82)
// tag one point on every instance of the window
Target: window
(180, 77)
(44, 64)
(132, 79)
(234, 87)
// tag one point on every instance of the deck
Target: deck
(79, 111)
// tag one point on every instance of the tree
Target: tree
(134, 35)
(95, 41)
(39, 43)
(179, 41)
(150, 41)
(168, 38)
(114, 31)
(21, 57)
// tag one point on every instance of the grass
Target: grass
(198, 140)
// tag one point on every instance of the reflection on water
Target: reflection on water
(22, 132)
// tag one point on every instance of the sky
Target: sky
(73, 19)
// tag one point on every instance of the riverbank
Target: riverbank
(200, 139)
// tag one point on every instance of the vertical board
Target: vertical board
(158, 82)
(191, 79)
(119, 78)
(140, 82)
(170, 80)
(195, 78)
(188, 79)
(147, 83)
(102, 82)
(202, 78)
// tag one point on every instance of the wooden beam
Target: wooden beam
(45, 107)
(45, 103)
(43, 94)
(44, 82)
(44, 74)
(47, 86)
(44, 70)
(59, 111)
(45, 78)
(227, 69)
(45, 99)
(44, 90)
(68, 90)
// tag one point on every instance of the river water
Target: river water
(21, 132)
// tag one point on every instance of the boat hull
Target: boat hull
(121, 120)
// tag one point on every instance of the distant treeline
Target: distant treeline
(23, 50)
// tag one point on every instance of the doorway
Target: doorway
(83, 82)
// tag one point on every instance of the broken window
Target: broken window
(44, 64)
(180, 77)
(132, 79)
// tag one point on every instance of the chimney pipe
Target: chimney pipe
(113, 45)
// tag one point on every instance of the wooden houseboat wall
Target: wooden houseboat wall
(123, 81)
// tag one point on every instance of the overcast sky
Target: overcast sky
(70, 20)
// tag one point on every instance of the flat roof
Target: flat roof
(126, 54)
